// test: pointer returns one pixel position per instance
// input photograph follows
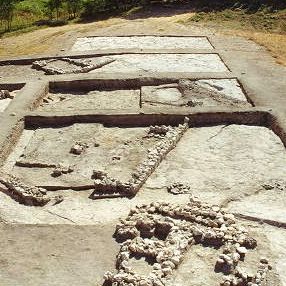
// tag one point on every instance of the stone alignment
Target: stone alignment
(23, 193)
(53, 66)
(164, 232)
(170, 137)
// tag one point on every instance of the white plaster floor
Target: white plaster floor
(140, 42)
(164, 63)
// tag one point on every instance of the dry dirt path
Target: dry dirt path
(53, 40)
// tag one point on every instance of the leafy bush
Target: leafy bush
(35, 7)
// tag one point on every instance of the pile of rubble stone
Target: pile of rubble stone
(78, 148)
(28, 195)
(81, 66)
(179, 188)
(158, 131)
(164, 232)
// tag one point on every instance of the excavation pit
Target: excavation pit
(180, 63)
(140, 42)
(84, 148)
(95, 99)
(74, 156)
(188, 94)
(180, 95)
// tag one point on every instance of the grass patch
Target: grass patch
(239, 19)
(132, 11)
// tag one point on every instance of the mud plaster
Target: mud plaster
(143, 42)
(165, 63)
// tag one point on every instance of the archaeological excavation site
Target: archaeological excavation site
(143, 160)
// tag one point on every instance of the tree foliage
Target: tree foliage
(7, 8)
(74, 7)
(54, 6)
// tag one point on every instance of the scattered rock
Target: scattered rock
(62, 169)
(179, 188)
(78, 148)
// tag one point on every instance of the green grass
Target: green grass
(262, 20)
(25, 14)
(35, 7)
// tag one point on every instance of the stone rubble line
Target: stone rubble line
(164, 232)
(5, 94)
(170, 137)
(84, 66)
(24, 194)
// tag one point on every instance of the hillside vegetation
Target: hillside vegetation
(23, 14)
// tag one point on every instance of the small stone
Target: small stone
(58, 199)
(241, 250)
(264, 260)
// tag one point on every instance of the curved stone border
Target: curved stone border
(164, 232)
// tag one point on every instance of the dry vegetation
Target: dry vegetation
(45, 40)
(267, 28)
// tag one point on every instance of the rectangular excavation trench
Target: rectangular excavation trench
(45, 142)
(151, 94)
(140, 42)
(115, 63)
(228, 155)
